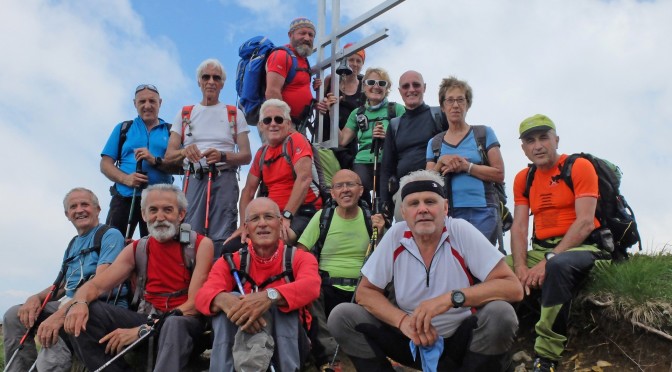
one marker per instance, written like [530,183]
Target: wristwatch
[158,161]
[549,255]
[222,156]
[143,330]
[457,298]
[287,214]
[273,295]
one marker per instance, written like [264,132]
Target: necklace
[264,261]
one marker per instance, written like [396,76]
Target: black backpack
[328,210]
[613,212]
[123,134]
[479,136]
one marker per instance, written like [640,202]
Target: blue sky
[599,69]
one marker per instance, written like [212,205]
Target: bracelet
[469,169]
[402,320]
[75,303]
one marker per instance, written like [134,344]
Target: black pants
[120,208]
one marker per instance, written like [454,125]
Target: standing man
[287,175]
[141,142]
[405,145]
[81,209]
[340,251]
[563,251]
[98,330]
[211,134]
[297,91]
[270,305]
[434,262]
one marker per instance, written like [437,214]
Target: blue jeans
[485,219]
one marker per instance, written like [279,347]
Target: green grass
[639,289]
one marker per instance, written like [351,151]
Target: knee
[11,316]
[500,319]
[340,320]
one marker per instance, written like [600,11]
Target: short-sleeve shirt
[551,201]
[344,246]
[278,175]
[365,138]
[209,127]
[462,256]
[297,93]
[468,191]
[156,140]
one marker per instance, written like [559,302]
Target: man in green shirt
[340,255]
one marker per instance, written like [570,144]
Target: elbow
[246,158]
[498,176]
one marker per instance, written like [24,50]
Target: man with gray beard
[99,331]
[279,83]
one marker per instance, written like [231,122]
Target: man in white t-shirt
[211,139]
[435,263]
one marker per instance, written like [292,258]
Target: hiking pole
[190,170]
[127,238]
[376,151]
[207,197]
[52,292]
[229,259]
[151,324]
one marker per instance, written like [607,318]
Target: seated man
[278,311]
[340,247]
[89,253]
[98,330]
[562,255]
[434,262]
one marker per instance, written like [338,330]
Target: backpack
[141,257]
[324,166]
[479,136]
[613,212]
[251,74]
[328,210]
[231,111]
[243,271]
[440,123]
[123,134]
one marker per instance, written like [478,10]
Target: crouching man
[100,330]
[266,324]
[434,262]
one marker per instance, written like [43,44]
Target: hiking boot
[544,365]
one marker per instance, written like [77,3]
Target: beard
[304,50]
[162,231]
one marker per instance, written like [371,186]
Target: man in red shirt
[286,175]
[563,251]
[270,306]
[297,92]
[99,330]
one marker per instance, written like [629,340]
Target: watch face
[458,298]
[287,215]
[272,293]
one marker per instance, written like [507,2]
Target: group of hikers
[294,275]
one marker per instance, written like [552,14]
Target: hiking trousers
[120,208]
[57,358]
[480,343]
[175,340]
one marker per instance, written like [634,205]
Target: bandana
[420,186]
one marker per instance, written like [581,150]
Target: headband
[420,186]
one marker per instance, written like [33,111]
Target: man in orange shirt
[563,252]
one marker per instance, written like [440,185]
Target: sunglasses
[146,86]
[371,82]
[278,120]
[415,85]
[207,77]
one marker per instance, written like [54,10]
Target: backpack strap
[391,110]
[95,245]
[566,170]
[436,143]
[479,136]
[364,206]
[437,115]
[325,222]
[186,118]
[232,113]
[140,271]
[189,252]
[123,134]
[288,274]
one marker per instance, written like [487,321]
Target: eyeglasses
[255,218]
[371,82]
[146,86]
[450,101]
[207,77]
[277,119]
[348,185]
[415,84]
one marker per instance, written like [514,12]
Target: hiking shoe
[544,365]
[336,367]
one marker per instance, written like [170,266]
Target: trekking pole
[52,292]
[376,151]
[229,259]
[211,171]
[138,169]
[151,324]
[190,170]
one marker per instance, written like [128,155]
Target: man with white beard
[99,331]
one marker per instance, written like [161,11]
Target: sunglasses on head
[371,82]
[278,120]
[146,86]
[206,77]
[415,85]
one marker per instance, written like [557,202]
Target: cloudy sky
[599,69]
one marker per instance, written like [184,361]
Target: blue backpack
[251,74]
